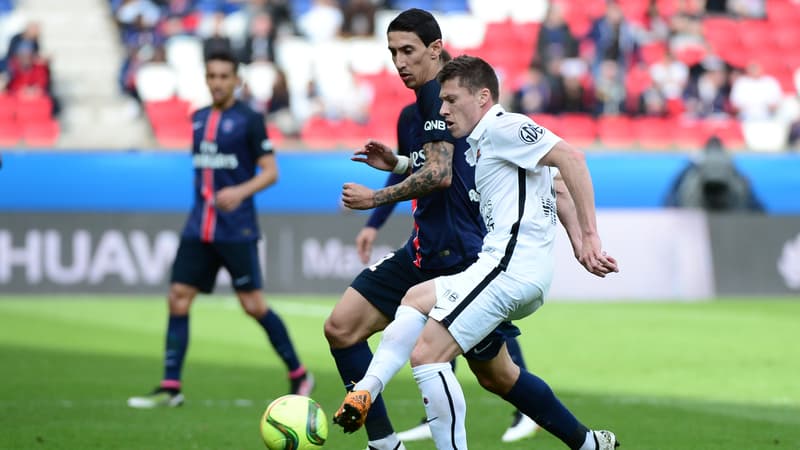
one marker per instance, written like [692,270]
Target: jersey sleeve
[522,141]
[258,140]
[429,104]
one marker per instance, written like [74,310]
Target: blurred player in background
[409,123]
[229,145]
[518,169]
[447,230]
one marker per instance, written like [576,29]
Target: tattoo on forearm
[437,168]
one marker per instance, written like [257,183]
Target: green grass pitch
[710,375]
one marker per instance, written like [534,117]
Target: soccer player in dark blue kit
[229,145]
[448,229]
[408,123]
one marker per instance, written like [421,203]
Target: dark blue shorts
[385,283]
[197,264]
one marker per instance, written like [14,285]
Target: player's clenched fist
[356,196]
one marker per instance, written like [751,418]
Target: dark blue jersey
[226,146]
[405,137]
[448,229]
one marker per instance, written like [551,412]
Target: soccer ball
[294,422]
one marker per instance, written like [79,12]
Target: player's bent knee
[340,334]
[179,299]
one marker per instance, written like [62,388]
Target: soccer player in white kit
[520,166]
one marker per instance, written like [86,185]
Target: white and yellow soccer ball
[294,422]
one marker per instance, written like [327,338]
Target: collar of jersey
[485,123]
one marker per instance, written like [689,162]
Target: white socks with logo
[444,404]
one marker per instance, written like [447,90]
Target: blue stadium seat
[405,4]
[6,6]
[451,5]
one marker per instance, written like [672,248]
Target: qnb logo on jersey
[474,196]
[435,125]
[214,161]
[530,133]
[417,158]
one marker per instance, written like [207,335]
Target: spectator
[30,35]
[609,90]
[533,94]
[747,9]
[652,103]
[669,76]
[216,42]
[279,108]
[713,183]
[613,38]
[555,40]
[260,42]
[755,95]
[707,95]
[29,75]
[131,11]
[569,91]
[322,22]
[358,18]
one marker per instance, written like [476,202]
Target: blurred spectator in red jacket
[28,73]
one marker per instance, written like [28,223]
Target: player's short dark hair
[473,73]
[417,21]
[223,55]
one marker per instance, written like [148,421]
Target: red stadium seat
[37,108]
[654,133]
[615,131]
[10,133]
[690,134]
[175,135]
[8,107]
[43,133]
[728,130]
[578,129]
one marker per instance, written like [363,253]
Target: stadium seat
[260,79]
[579,129]
[185,53]
[35,108]
[766,136]
[654,133]
[10,133]
[40,133]
[367,56]
[549,121]
[8,107]
[615,131]
[175,135]
[690,134]
[728,130]
[155,82]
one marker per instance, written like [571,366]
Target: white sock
[444,403]
[394,350]
[589,443]
[390,442]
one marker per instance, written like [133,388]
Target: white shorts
[474,302]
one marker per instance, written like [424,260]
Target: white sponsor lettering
[418,158]
[789,263]
[333,259]
[215,161]
[435,125]
[474,196]
[133,258]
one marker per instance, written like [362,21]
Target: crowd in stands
[27,104]
[613,73]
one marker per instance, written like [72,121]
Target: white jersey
[517,194]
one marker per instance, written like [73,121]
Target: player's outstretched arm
[436,173]
[377,155]
[571,164]
[231,197]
